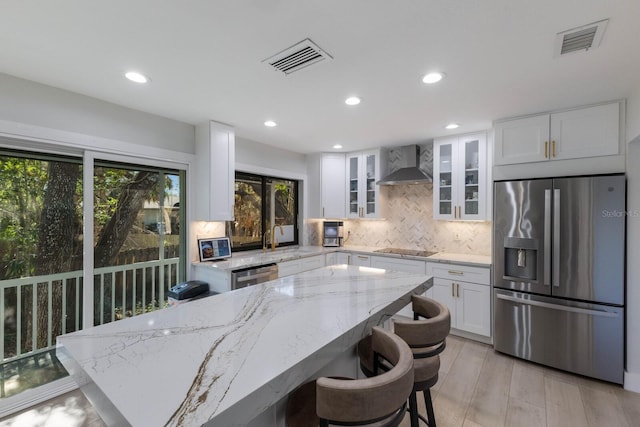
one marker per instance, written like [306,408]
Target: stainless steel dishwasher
[243,277]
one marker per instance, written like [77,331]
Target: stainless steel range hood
[409,172]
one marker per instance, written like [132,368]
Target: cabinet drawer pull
[458,289]
[553,148]
[546,149]
[456,272]
[453,294]
[363,257]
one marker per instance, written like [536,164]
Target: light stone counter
[254,258]
[475,260]
[225,359]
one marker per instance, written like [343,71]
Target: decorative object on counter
[380,400]
[215,248]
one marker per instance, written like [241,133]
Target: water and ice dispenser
[520,259]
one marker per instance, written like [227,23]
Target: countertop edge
[292,255]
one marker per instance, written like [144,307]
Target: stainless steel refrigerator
[559,273]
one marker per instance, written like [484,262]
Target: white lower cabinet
[335,258]
[287,268]
[399,264]
[466,291]
[469,304]
[361,260]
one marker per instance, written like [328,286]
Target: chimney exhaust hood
[410,172]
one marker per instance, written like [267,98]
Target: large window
[138,253]
[264,207]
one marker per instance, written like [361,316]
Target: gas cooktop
[412,252]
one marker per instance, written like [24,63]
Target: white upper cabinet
[363,197]
[580,133]
[460,177]
[326,185]
[215,172]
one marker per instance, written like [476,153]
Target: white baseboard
[632,381]
[29,398]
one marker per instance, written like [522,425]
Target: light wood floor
[477,387]
[480,387]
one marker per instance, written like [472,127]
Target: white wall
[267,157]
[632,375]
[27,102]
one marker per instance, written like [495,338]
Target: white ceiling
[205,61]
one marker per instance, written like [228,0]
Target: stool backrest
[370,399]
[427,332]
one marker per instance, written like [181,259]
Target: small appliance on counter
[332,233]
[188,291]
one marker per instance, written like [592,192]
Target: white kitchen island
[229,358]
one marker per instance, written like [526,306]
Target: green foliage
[22,188]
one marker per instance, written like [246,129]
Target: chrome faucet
[273,236]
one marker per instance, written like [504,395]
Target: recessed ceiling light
[352,100]
[270,123]
[134,76]
[337,146]
[452,126]
[434,77]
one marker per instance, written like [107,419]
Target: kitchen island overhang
[226,359]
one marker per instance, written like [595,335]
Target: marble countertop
[255,258]
[469,259]
[226,358]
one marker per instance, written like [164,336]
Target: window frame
[264,179]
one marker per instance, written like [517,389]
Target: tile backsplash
[409,224]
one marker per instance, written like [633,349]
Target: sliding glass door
[138,253]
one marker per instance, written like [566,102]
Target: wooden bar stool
[376,401]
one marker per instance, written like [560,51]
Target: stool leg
[429,405]
[413,409]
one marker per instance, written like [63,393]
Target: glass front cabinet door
[459,187]
[363,170]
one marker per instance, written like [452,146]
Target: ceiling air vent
[580,39]
[297,57]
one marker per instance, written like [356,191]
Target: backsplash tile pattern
[410,225]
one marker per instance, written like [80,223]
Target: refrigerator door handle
[556,238]
[547,238]
[558,307]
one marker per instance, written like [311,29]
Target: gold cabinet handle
[363,257]
[553,148]
[453,294]
[456,272]
[546,149]
[458,289]
[323,212]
